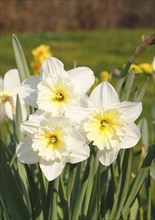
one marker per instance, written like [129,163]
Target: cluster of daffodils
[66,120]
[40,53]
[9,88]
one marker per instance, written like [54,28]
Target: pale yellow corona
[4,97]
[56,96]
[105,127]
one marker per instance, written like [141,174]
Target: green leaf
[33,191]
[139,180]
[54,199]
[141,94]
[18,120]
[149,198]
[119,85]
[144,131]
[128,87]
[24,184]
[10,192]
[123,185]
[89,189]
[141,213]
[114,176]
[134,210]
[20,59]
[77,185]
[81,194]
[153,119]
[125,70]
[135,95]
[63,198]
[94,206]
[105,181]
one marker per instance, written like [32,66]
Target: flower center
[53,139]
[104,123]
[59,96]
[4,98]
[40,53]
[106,128]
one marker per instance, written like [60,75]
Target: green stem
[149,198]
[141,213]
[71,179]
[90,186]
[125,70]
[113,172]
[81,195]
[48,202]
[54,199]
[123,185]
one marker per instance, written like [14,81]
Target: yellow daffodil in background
[142,68]
[136,68]
[146,67]
[105,76]
[35,66]
[40,53]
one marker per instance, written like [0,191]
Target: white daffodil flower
[110,124]
[51,141]
[9,88]
[57,90]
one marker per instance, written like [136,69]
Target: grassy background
[99,50]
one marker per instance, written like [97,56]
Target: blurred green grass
[99,50]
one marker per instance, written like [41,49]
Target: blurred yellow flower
[41,52]
[36,67]
[105,76]
[136,69]
[146,67]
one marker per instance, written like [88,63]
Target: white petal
[23,108]
[31,126]
[132,136]
[79,154]
[107,157]
[104,96]
[24,112]
[53,169]
[52,67]
[130,110]
[82,77]
[8,110]
[25,152]
[29,89]
[12,81]
[77,114]
[79,151]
